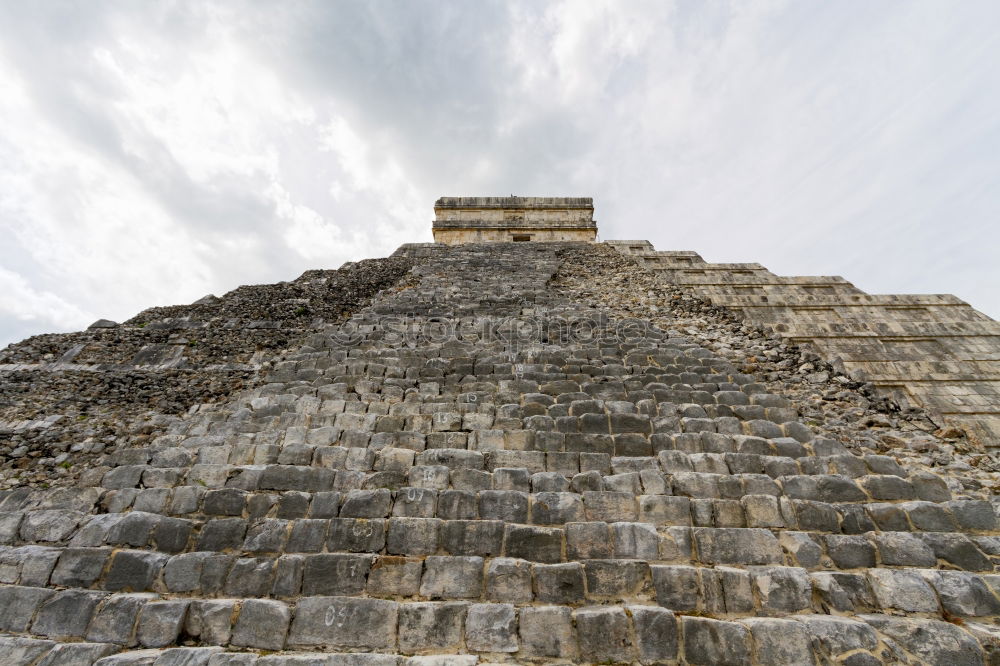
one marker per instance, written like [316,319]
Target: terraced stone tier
[483,468]
[933,350]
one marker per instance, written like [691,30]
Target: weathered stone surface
[604,634]
[547,631]
[344,622]
[262,624]
[373,492]
[491,628]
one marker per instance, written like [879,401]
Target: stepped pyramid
[541,451]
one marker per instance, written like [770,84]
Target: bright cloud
[151,154]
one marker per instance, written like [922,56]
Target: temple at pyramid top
[503,219]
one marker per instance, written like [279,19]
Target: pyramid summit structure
[515,445]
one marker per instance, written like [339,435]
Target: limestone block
[491,628]
[588,541]
[508,580]
[902,590]
[655,634]
[431,626]
[737,546]
[714,643]
[472,537]
[933,641]
[160,622]
[134,570]
[344,622]
[115,620]
[547,631]
[332,574]
[394,576]
[780,641]
[604,634]
[558,583]
[66,614]
[18,606]
[210,620]
[413,536]
[261,624]
[451,577]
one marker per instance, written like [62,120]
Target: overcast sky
[154,152]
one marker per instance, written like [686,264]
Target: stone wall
[934,351]
[502,219]
[511,234]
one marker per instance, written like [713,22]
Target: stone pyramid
[483,453]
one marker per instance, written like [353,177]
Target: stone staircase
[480,469]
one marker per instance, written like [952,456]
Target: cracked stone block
[160,623]
[962,594]
[780,641]
[508,580]
[637,541]
[782,590]
[655,634]
[210,620]
[902,590]
[18,606]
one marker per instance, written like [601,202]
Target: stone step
[717,582]
[886,500]
[391,631]
[570,542]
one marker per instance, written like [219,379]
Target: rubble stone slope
[66,399]
[517,453]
